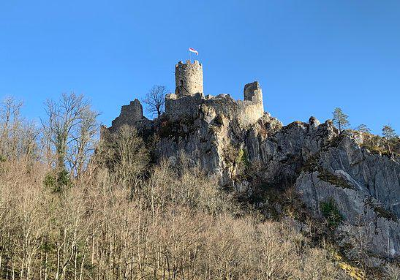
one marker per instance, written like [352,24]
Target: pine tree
[388,132]
[390,135]
[340,119]
[363,128]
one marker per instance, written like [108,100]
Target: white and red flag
[193,51]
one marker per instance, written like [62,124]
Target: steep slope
[355,191]
[324,166]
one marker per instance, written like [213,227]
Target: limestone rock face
[365,188]
[366,225]
[321,164]
[251,151]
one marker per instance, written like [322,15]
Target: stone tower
[253,92]
[188,78]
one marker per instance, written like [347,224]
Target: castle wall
[223,104]
[190,102]
[253,92]
[186,106]
[249,112]
[246,111]
[188,78]
[130,115]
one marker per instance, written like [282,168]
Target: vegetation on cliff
[116,215]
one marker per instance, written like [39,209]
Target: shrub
[331,213]
[178,226]
[242,158]
[57,181]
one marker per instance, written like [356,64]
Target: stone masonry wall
[186,106]
[246,111]
[130,115]
[188,78]
[253,92]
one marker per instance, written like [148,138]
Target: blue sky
[309,56]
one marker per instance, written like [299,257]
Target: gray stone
[216,133]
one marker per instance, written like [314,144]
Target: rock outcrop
[337,178]
[322,165]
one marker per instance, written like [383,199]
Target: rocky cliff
[324,167]
[337,179]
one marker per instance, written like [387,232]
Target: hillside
[213,188]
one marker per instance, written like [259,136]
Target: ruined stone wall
[246,111]
[130,115]
[249,112]
[188,78]
[253,92]
[189,101]
[223,104]
[179,107]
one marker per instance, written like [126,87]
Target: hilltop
[347,180]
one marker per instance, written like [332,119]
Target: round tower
[188,78]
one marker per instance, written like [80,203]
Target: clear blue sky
[309,56]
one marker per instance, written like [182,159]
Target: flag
[193,51]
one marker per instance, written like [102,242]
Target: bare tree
[9,124]
[124,154]
[70,128]
[18,137]
[155,100]
[84,138]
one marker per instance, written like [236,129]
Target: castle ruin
[189,101]
[189,98]
[223,137]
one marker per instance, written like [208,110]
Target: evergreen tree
[340,119]
[388,132]
[363,128]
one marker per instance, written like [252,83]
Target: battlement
[188,63]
